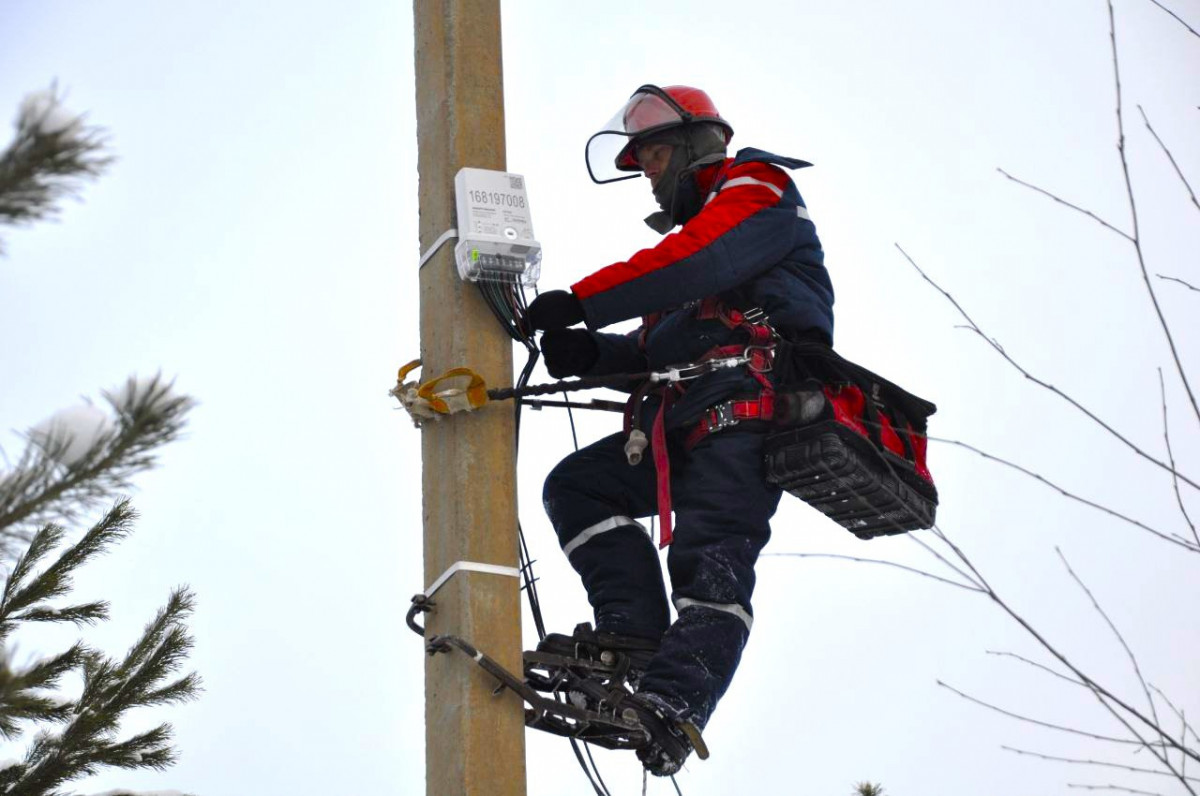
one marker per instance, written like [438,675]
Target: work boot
[671,735]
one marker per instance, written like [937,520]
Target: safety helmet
[651,110]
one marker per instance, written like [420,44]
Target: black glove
[569,352]
[554,309]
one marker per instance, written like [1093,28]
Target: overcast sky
[257,240]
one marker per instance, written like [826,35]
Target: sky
[257,241]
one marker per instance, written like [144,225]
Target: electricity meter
[495,230]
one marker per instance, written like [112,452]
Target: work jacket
[751,246]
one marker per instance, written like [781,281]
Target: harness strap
[730,413]
[662,468]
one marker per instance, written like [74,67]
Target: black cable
[596,768]
[579,756]
[508,305]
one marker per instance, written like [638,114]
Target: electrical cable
[506,300]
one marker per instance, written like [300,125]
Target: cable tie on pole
[472,566]
[437,244]
[423,602]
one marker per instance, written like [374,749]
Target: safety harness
[757,355]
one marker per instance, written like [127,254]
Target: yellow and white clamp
[423,401]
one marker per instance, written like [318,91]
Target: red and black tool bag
[849,443]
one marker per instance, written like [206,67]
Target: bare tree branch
[1188,285]
[1137,245]
[1177,17]
[1170,157]
[1119,788]
[1106,698]
[914,570]
[1102,763]
[1173,539]
[1044,668]
[1062,201]
[917,540]
[1137,670]
[1188,728]
[1000,350]
[1162,388]
[1037,722]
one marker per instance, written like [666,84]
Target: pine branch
[55,580]
[145,676]
[51,154]
[18,700]
[86,743]
[60,476]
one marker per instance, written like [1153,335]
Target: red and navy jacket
[752,245]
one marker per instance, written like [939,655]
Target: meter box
[495,230]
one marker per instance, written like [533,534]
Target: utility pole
[474,739]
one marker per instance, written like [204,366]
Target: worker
[743,270]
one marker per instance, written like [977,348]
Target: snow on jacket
[751,245]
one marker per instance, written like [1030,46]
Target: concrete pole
[474,740]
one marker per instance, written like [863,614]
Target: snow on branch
[82,456]
[52,152]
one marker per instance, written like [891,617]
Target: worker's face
[653,159]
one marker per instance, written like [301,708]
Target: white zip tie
[437,244]
[473,566]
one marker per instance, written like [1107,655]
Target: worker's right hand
[554,309]
[569,352]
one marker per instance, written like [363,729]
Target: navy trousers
[723,506]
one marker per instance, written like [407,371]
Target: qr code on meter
[516,182]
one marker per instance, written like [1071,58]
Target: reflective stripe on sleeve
[611,524]
[739,181]
[803,212]
[729,608]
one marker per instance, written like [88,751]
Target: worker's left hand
[569,352]
[554,309]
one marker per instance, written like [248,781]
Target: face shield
[610,152]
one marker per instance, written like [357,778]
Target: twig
[1106,698]
[1180,281]
[1113,627]
[1000,350]
[1170,157]
[929,549]
[914,570]
[1187,727]
[1037,722]
[1166,537]
[1162,388]
[1177,17]
[1044,668]
[1120,788]
[1062,201]
[1102,763]
[1134,215]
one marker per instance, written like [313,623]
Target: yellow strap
[476,392]
[407,369]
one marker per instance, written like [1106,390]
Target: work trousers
[723,506]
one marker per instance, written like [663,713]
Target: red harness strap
[730,413]
[662,468]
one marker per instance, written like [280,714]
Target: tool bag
[849,443]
